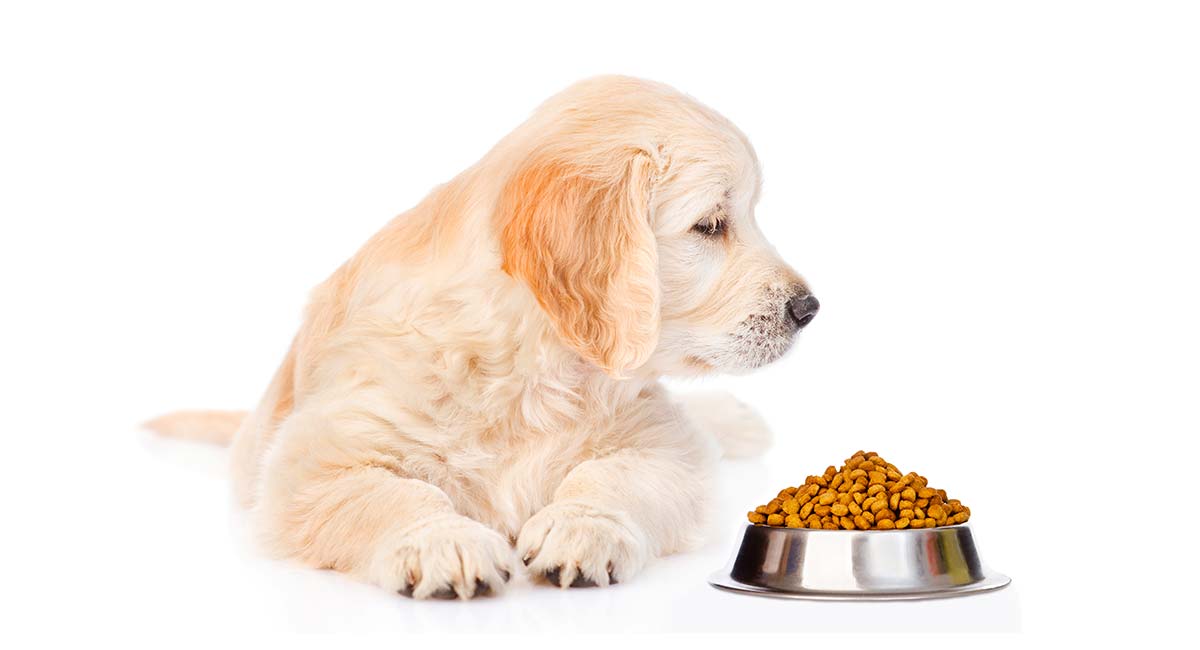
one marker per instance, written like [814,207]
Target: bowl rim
[857,530]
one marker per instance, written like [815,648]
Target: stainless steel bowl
[857,565]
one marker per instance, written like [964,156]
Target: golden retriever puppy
[485,372]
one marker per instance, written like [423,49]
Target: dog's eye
[710,227]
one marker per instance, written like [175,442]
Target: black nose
[803,308]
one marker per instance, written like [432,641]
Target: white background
[996,205]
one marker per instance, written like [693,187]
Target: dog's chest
[503,479]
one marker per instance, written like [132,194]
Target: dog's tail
[739,430]
[215,427]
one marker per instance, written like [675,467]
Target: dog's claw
[482,588]
[581,581]
[554,577]
[445,593]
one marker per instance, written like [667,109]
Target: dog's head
[629,212]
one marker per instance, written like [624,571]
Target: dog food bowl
[858,564]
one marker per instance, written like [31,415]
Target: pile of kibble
[867,493]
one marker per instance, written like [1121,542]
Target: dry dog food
[867,493]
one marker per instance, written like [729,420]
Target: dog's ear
[579,235]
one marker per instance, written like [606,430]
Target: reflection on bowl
[854,565]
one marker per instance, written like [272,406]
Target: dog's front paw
[446,557]
[574,545]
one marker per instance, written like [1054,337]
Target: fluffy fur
[483,373]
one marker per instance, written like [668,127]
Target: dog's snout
[803,307]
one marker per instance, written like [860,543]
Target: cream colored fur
[484,372]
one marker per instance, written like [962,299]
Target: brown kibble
[866,493]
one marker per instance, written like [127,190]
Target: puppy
[485,371]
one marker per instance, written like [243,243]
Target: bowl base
[990,582]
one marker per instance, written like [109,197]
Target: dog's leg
[332,497]
[644,497]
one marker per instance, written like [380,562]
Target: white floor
[178,560]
